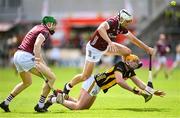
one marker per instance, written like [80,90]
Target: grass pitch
[116,103]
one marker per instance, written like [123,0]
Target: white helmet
[125,15]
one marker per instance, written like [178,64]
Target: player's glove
[147,97]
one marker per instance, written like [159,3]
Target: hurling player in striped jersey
[116,75]
[103,42]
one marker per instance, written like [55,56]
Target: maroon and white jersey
[99,43]
[30,38]
[161,49]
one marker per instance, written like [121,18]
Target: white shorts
[178,57]
[162,60]
[93,54]
[24,61]
[90,86]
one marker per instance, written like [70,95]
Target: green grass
[116,103]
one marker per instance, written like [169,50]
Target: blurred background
[78,19]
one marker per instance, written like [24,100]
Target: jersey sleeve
[132,74]
[111,23]
[119,67]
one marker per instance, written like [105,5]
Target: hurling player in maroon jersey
[102,43]
[116,75]
[162,49]
[28,60]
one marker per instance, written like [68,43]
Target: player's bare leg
[46,71]
[175,65]
[26,82]
[158,69]
[166,71]
[119,50]
[87,71]
[88,68]
[46,89]
[85,101]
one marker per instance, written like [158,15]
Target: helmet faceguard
[124,15]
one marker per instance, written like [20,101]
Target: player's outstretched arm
[139,43]
[143,86]
[138,82]
[121,82]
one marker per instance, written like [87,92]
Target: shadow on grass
[33,112]
[140,109]
[104,109]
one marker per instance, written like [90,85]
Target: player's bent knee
[128,52]
[52,77]
[27,84]
[85,77]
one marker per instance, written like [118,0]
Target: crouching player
[28,60]
[118,74]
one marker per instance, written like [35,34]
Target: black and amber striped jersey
[107,79]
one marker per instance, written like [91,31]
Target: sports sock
[53,100]
[8,99]
[41,101]
[68,86]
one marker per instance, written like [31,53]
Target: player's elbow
[119,81]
